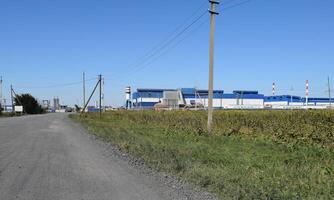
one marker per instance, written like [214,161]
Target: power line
[150,62]
[171,47]
[174,31]
[151,55]
[169,42]
[54,86]
[235,5]
[175,34]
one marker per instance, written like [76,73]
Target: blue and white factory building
[282,101]
[148,98]
[238,99]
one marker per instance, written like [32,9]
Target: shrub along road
[50,157]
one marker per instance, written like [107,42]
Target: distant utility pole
[11,96]
[13,93]
[1,92]
[4,103]
[84,88]
[213,13]
[99,82]
[329,92]
[102,95]
[100,106]
[291,94]
[307,92]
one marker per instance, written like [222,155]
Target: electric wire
[150,62]
[168,43]
[234,5]
[158,50]
[55,85]
[177,32]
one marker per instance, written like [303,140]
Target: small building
[147,98]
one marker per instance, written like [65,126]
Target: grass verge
[2,115]
[241,160]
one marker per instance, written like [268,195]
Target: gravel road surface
[49,157]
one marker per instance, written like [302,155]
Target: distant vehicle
[69,109]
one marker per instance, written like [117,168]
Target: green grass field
[251,155]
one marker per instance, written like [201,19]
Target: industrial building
[192,97]
[289,101]
[238,99]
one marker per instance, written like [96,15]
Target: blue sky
[46,42]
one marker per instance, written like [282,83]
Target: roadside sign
[18,108]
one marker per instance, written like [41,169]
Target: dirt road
[50,157]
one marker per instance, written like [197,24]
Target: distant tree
[29,103]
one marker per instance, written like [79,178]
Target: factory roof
[245,92]
[153,90]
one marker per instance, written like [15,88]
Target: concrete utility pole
[11,96]
[4,105]
[84,88]
[307,92]
[91,95]
[102,95]
[329,92]
[100,102]
[1,92]
[291,100]
[213,13]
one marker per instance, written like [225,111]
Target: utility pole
[100,102]
[4,102]
[195,98]
[11,96]
[213,13]
[102,95]
[84,88]
[307,92]
[291,100]
[329,93]
[91,95]
[1,92]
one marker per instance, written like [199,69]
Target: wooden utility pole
[213,13]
